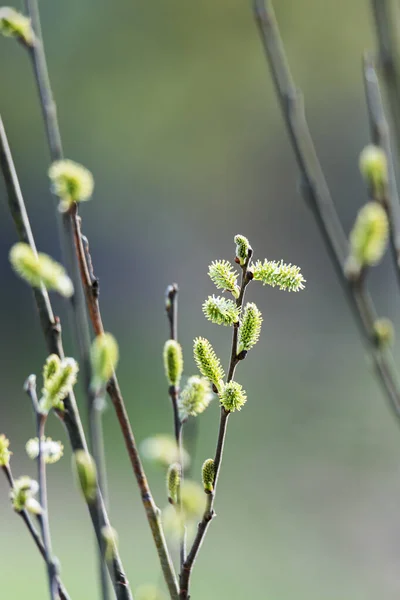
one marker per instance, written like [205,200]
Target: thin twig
[171,306]
[52,333]
[91,288]
[43,517]
[316,193]
[62,592]
[388,47]
[380,135]
[209,514]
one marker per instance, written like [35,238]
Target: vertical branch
[388,48]
[52,333]
[43,517]
[171,307]
[62,592]
[316,193]
[209,513]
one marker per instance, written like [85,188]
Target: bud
[163,450]
[51,450]
[173,482]
[104,355]
[369,236]
[195,397]
[233,397]
[384,333]
[87,475]
[250,327]
[59,379]
[71,182]
[4,451]
[285,276]
[173,362]
[224,277]
[14,24]
[208,474]
[22,495]
[221,311]
[38,269]
[110,537]
[207,362]
[374,169]
[242,248]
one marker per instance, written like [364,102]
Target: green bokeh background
[170,105]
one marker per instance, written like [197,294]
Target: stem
[171,305]
[380,136]
[62,592]
[316,192]
[52,333]
[209,514]
[387,38]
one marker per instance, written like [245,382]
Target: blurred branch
[209,514]
[380,135]
[388,47]
[52,332]
[62,592]
[316,193]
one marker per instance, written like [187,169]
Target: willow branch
[380,136]
[209,513]
[388,48]
[91,289]
[316,193]
[62,592]
[52,333]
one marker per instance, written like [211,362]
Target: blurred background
[171,106]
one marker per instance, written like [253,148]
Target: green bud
[52,451]
[374,169]
[384,333]
[195,397]
[4,451]
[207,362]
[224,277]
[193,499]
[220,311]
[104,355]
[173,482]
[14,24]
[369,236]
[163,450]
[38,269]
[173,362]
[110,537]
[22,495]
[233,397]
[208,474]
[250,327]
[285,276]
[242,249]
[71,182]
[87,475]
[59,377]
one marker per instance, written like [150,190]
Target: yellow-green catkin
[14,24]
[384,332]
[173,482]
[250,327]
[208,474]
[104,356]
[4,451]
[86,473]
[369,236]
[71,182]
[242,249]
[374,169]
[207,362]
[173,362]
[233,397]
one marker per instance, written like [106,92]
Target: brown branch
[316,193]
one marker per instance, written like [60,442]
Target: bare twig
[186,571]
[52,332]
[62,592]
[43,517]
[388,47]
[380,135]
[171,306]
[316,193]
